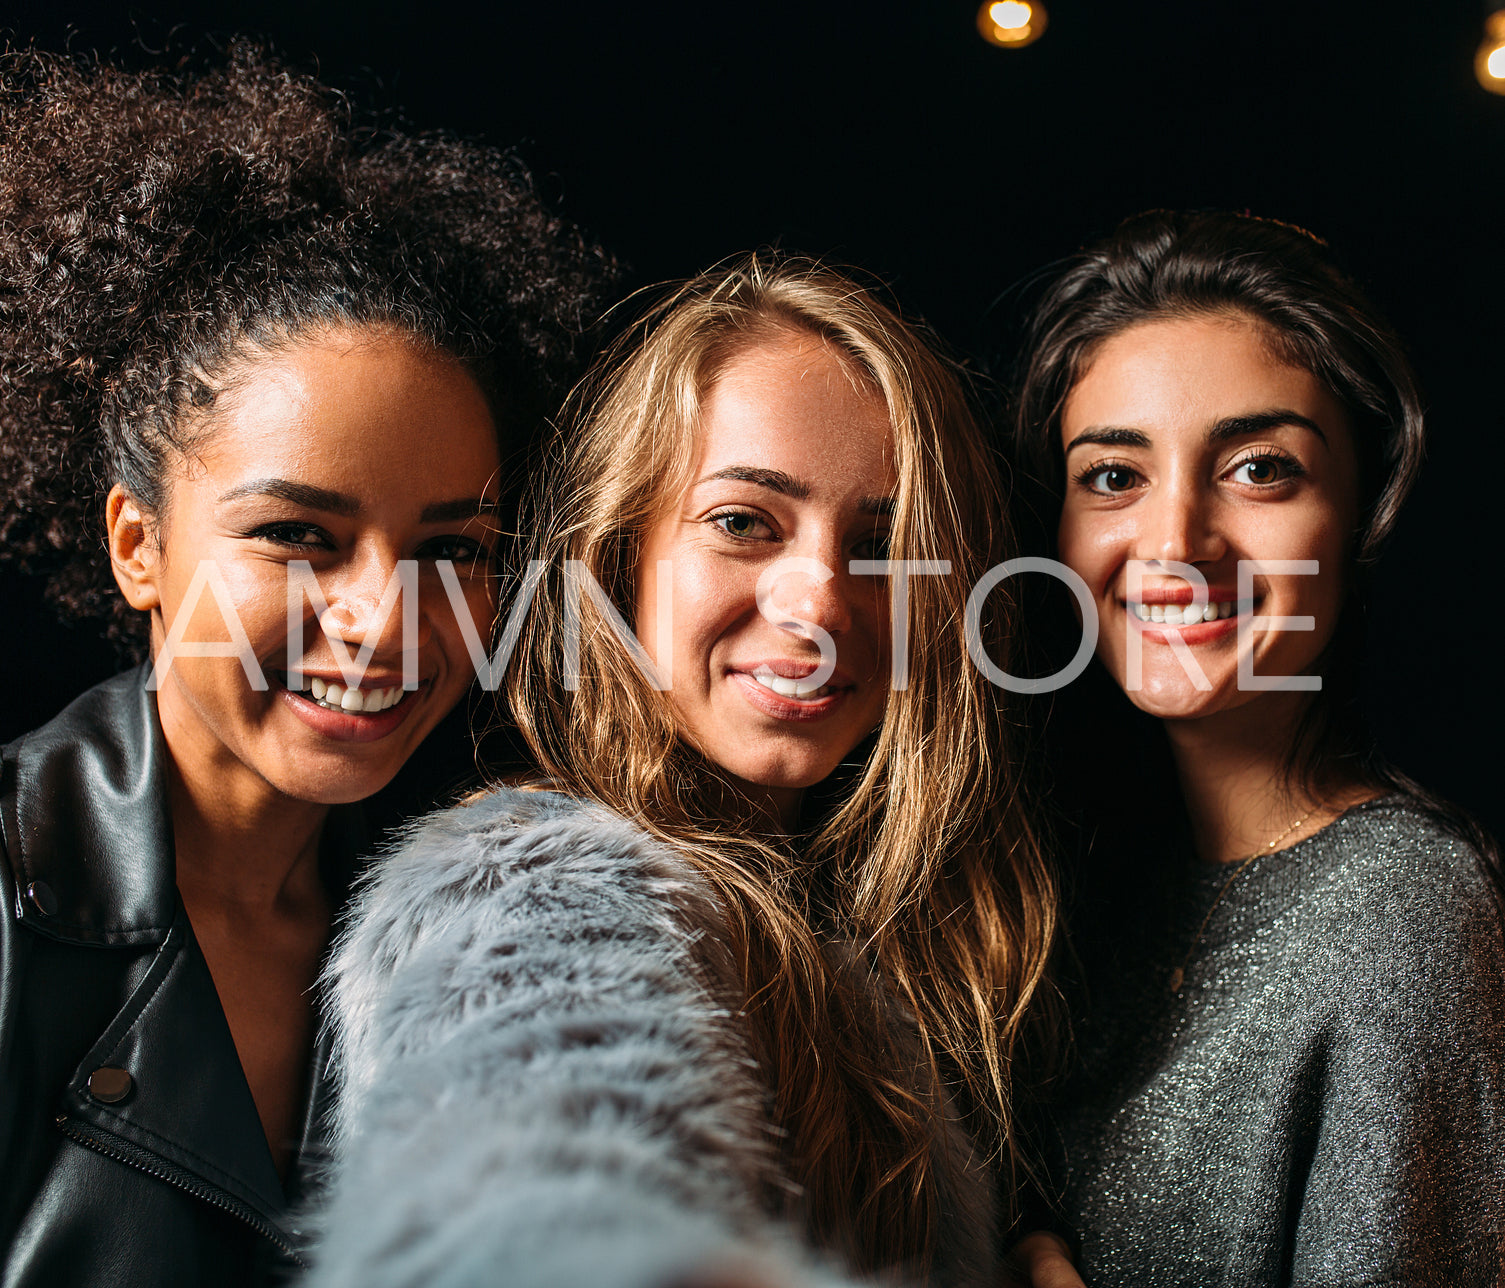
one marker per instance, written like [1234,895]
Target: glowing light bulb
[1011,24]
[1489,65]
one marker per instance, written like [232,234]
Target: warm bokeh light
[1010,24]
[1489,66]
[1011,15]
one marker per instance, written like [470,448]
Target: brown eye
[1261,471]
[1112,478]
[297,536]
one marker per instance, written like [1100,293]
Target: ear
[134,555]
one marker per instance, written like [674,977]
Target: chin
[786,775]
[337,785]
[1182,703]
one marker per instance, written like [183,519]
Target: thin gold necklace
[1178,976]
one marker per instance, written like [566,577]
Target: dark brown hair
[1167,264]
[1172,264]
[155,225]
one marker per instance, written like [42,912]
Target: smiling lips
[782,689]
[348,713]
[1173,607]
[1184,615]
[789,686]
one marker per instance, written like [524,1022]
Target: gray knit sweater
[1323,1103]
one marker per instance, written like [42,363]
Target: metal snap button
[42,898]
[110,1086]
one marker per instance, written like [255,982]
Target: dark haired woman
[1290,1067]
[281,368]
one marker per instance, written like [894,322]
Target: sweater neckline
[1265,867]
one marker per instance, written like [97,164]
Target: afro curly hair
[154,225]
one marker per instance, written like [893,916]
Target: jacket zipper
[122,1151]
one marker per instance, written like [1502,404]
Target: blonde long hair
[926,872]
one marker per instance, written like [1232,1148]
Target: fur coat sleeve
[543,1086]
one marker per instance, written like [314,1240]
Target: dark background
[891,136]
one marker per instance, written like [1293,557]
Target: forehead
[794,400]
[343,403]
[1183,374]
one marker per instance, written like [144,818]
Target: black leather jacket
[130,1147]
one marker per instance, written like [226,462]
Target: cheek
[1084,547]
[229,596]
[479,607]
[709,599]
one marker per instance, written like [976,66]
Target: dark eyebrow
[318,498]
[304,494]
[1109,436]
[1260,422]
[787,485]
[458,511]
[773,480]
[1256,422]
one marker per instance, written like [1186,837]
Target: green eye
[740,524]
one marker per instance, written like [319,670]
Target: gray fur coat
[545,1083]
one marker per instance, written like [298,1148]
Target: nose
[1176,524]
[807,592]
[371,607]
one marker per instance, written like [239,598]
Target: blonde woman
[755,952]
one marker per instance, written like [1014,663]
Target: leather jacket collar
[92,871]
[88,836]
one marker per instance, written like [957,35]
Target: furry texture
[545,1084]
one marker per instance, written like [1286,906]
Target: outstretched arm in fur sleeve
[543,1085]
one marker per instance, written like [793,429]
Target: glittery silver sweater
[1323,1102]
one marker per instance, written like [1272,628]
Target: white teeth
[1187,615]
[365,701]
[786,687]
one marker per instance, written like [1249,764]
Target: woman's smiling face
[795,462]
[1189,442]
[352,450]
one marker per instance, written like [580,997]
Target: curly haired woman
[265,353]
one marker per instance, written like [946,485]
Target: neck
[1232,769]
[776,809]
[241,846]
